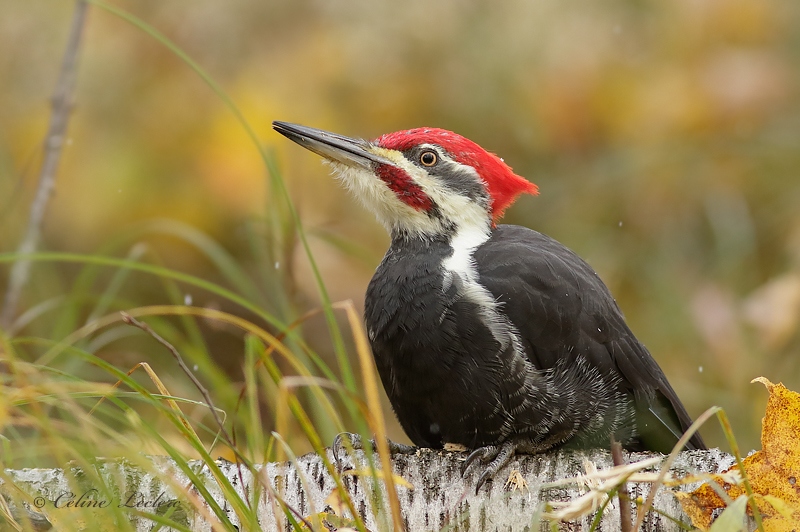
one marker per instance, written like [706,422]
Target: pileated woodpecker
[495,337]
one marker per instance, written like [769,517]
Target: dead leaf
[773,471]
[330,522]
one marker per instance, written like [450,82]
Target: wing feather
[563,311]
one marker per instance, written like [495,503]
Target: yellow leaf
[773,472]
[335,502]
[780,506]
[328,522]
[732,519]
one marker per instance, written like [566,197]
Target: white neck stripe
[464,243]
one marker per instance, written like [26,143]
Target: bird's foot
[494,457]
[355,442]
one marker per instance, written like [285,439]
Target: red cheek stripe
[404,187]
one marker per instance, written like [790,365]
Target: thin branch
[54,141]
[624,497]
[130,320]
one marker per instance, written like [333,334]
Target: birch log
[441,498]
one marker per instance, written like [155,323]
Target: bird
[489,336]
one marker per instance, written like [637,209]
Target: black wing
[563,310]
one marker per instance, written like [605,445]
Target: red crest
[503,185]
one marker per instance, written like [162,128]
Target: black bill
[345,150]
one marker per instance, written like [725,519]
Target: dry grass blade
[670,460]
[371,389]
[7,514]
[728,430]
[127,318]
[587,503]
[292,405]
[303,482]
[616,473]
[601,484]
[159,385]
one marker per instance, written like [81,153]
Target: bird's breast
[441,347]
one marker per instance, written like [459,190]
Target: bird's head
[419,182]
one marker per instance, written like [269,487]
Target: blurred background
[663,137]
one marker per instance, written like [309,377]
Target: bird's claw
[482,454]
[494,457]
[339,445]
[357,443]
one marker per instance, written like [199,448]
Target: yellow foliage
[773,471]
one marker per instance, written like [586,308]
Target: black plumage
[494,337]
[450,381]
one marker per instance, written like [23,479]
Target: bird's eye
[428,158]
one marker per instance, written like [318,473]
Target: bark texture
[441,498]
